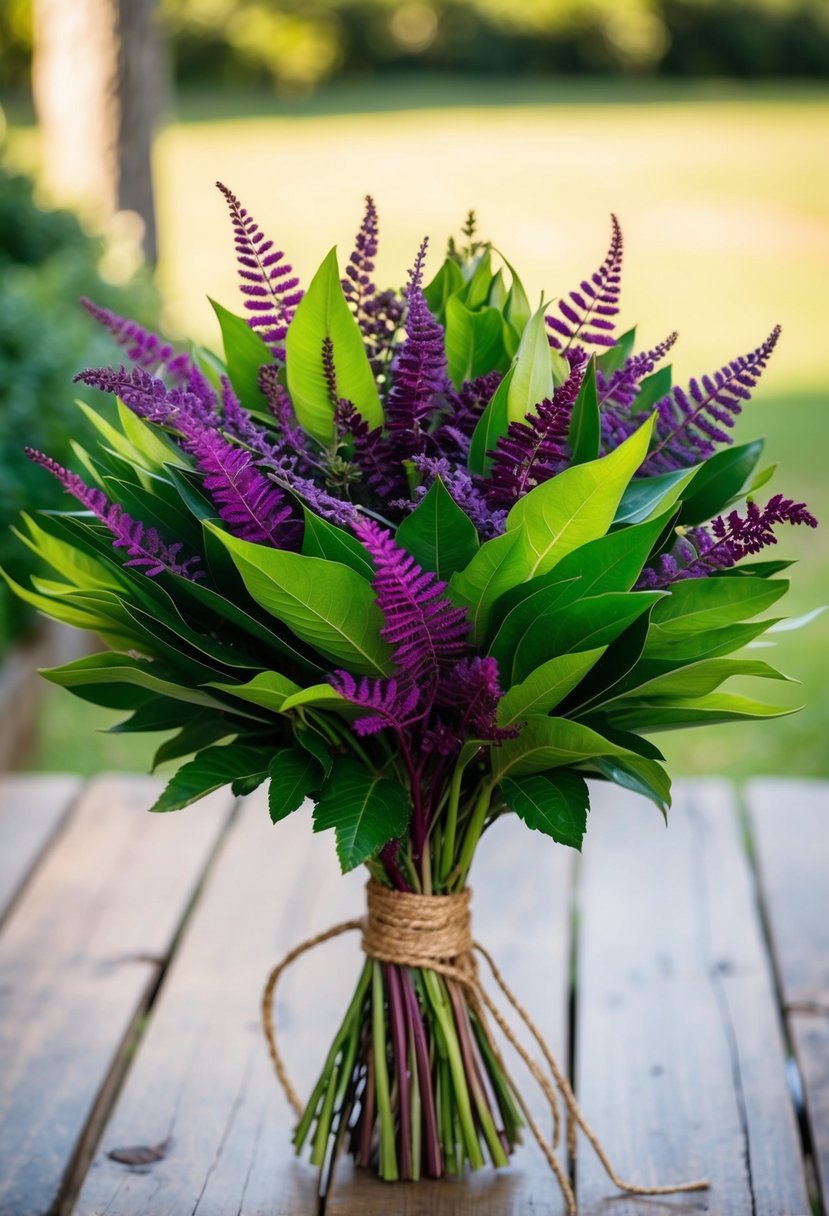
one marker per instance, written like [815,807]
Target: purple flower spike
[586,313]
[143,348]
[145,548]
[473,690]
[358,284]
[620,388]
[269,285]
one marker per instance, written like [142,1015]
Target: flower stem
[388,1157]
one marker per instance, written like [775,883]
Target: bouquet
[427,557]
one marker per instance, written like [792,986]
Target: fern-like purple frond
[464,407]
[150,398]
[690,424]
[488,521]
[391,701]
[358,283]
[472,691]
[144,348]
[251,505]
[269,285]
[419,372]
[424,628]
[586,313]
[145,548]
[620,387]
[534,450]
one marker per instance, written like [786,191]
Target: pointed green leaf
[719,479]
[549,743]
[323,313]
[546,686]
[447,282]
[245,354]
[438,534]
[324,603]
[698,605]
[585,433]
[293,776]
[678,712]
[699,679]
[556,805]
[610,360]
[321,538]
[653,388]
[492,424]
[499,564]
[364,809]
[269,689]
[210,770]
[532,378]
[474,341]
[646,777]
[649,496]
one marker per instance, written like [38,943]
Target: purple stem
[397,1017]
[367,1116]
[434,1157]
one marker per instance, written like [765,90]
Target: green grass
[721,190]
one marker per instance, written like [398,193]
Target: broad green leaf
[492,424]
[646,777]
[210,770]
[549,743]
[499,564]
[699,679]
[73,563]
[497,297]
[324,603]
[718,481]
[293,776]
[708,644]
[620,657]
[585,433]
[269,689]
[517,310]
[316,746]
[697,605]
[323,539]
[546,686]
[474,341]
[245,354]
[579,504]
[755,569]
[61,610]
[555,805]
[447,282]
[479,286]
[532,378]
[677,712]
[201,730]
[364,809]
[649,496]
[653,388]
[323,313]
[111,668]
[610,360]
[322,696]
[157,449]
[438,534]
[113,438]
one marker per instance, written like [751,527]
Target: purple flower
[143,348]
[585,313]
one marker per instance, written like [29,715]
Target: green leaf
[532,378]
[646,777]
[156,448]
[556,806]
[708,644]
[438,534]
[268,689]
[323,539]
[478,288]
[316,746]
[653,388]
[77,565]
[210,770]
[492,424]
[202,730]
[474,341]
[698,605]
[447,282]
[365,810]
[648,496]
[517,310]
[585,433]
[677,712]
[579,504]
[116,669]
[322,696]
[293,776]
[610,360]
[323,313]
[699,679]
[546,686]
[718,481]
[324,603]
[498,565]
[245,354]
[549,743]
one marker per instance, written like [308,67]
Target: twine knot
[417,930]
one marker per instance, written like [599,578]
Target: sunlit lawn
[723,194]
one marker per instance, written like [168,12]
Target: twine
[434,932]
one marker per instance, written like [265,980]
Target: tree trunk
[97,79]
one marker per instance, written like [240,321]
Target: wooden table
[133,948]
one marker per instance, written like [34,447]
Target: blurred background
[704,124]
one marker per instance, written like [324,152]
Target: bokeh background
[704,124]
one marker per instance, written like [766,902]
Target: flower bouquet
[426,557]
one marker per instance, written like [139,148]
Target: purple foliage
[392,703]
[142,347]
[489,521]
[371,452]
[586,313]
[534,450]
[419,372]
[150,398]
[620,387]
[269,285]
[145,548]
[725,541]
[473,690]
[690,424]
[358,284]
[464,408]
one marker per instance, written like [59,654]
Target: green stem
[388,1156]
[440,1004]
[473,833]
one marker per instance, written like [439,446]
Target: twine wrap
[434,932]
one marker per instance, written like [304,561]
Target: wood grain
[79,955]
[680,1060]
[202,1079]
[31,810]
[523,891]
[790,828]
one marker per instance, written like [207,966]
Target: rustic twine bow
[434,932]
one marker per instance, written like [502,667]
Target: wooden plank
[20,691]
[31,809]
[680,1061]
[202,1079]
[523,891]
[79,955]
[790,827]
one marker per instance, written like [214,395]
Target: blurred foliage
[47,261]
[297,44]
